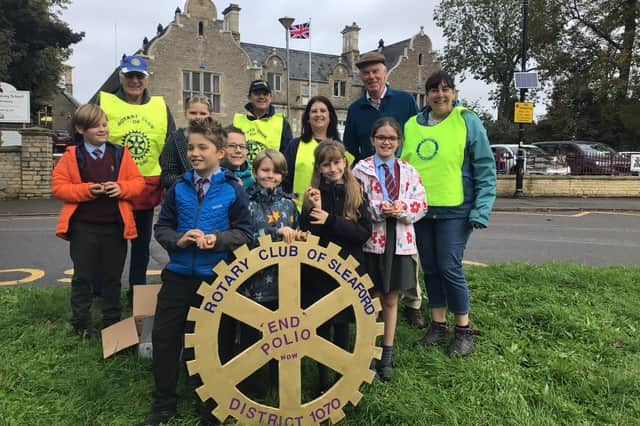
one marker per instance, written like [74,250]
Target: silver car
[536,160]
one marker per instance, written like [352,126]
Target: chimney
[350,51]
[232,20]
[176,16]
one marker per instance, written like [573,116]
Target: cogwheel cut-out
[288,334]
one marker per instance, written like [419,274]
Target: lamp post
[523,93]
[286,23]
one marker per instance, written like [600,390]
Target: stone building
[199,53]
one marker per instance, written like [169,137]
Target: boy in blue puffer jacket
[204,217]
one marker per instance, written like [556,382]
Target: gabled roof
[393,52]
[321,63]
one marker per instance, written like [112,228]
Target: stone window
[200,28]
[420,59]
[202,83]
[275,81]
[339,88]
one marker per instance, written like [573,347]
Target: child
[95,179]
[273,212]
[335,209]
[396,201]
[174,160]
[236,156]
[204,216]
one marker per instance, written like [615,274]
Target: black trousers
[177,295]
[96,248]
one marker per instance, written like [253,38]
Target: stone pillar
[36,163]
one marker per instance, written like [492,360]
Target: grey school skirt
[389,271]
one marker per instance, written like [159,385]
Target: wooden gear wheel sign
[288,334]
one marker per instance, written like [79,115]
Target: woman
[448,146]
[319,122]
[174,154]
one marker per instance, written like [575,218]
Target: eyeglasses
[436,90]
[235,147]
[383,138]
[138,75]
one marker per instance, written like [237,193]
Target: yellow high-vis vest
[260,133]
[437,153]
[304,169]
[141,128]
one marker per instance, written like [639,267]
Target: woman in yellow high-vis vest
[142,123]
[448,146]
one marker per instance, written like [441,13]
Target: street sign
[526,80]
[14,104]
[523,112]
[635,163]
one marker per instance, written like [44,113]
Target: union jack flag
[301,30]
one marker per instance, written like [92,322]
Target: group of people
[222,187]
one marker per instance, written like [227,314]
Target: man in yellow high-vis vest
[262,125]
[142,123]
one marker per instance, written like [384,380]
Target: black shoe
[462,342]
[156,419]
[414,317]
[436,333]
[385,372]
[85,332]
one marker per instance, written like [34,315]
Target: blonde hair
[210,129]
[87,116]
[198,99]
[330,149]
[278,159]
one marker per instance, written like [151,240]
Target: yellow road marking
[472,263]
[32,275]
[577,215]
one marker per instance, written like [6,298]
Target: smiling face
[236,151]
[319,118]
[333,168]
[260,100]
[203,155]
[440,99]
[385,141]
[266,175]
[197,111]
[96,135]
[133,85]
[374,77]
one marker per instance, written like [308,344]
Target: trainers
[414,317]
[436,333]
[462,342]
[157,419]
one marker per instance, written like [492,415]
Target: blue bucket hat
[133,64]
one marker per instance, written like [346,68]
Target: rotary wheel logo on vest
[427,149]
[288,334]
[137,143]
[253,149]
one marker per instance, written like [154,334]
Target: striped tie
[200,186]
[97,154]
[390,183]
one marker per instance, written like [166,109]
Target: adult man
[141,122]
[380,100]
[262,125]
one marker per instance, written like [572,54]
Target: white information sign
[14,104]
[635,163]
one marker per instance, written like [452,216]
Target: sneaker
[157,419]
[462,342]
[436,333]
[385,372]
[414,317]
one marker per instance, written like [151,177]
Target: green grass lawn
[557,344]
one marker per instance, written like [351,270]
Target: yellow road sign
[523,112]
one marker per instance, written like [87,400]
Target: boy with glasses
[236,156]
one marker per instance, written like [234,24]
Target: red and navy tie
[390,183]
[200,186]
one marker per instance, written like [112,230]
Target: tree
[34,43]
[483,39]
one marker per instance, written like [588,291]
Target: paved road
[613,238]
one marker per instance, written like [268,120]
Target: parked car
[587,158]
[536,161]
[61,139]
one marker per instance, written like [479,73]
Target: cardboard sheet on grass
[127,332]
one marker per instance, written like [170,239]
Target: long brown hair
[330,149]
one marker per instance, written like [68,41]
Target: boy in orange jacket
[95,179]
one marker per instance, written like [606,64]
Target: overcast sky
[118,26]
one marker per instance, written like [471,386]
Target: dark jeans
[96,248]
[177,295]
[140,248]
[441,244]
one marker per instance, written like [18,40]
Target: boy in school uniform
[203,218]
[95,179]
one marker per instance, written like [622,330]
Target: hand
[302,235]
[392,210]
[320,216]
[96,189]
[476,225]
[313,196]
[112,189]
[189,237]
[288,234]
[206,242]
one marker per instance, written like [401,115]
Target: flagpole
[309,58]
[286,23]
